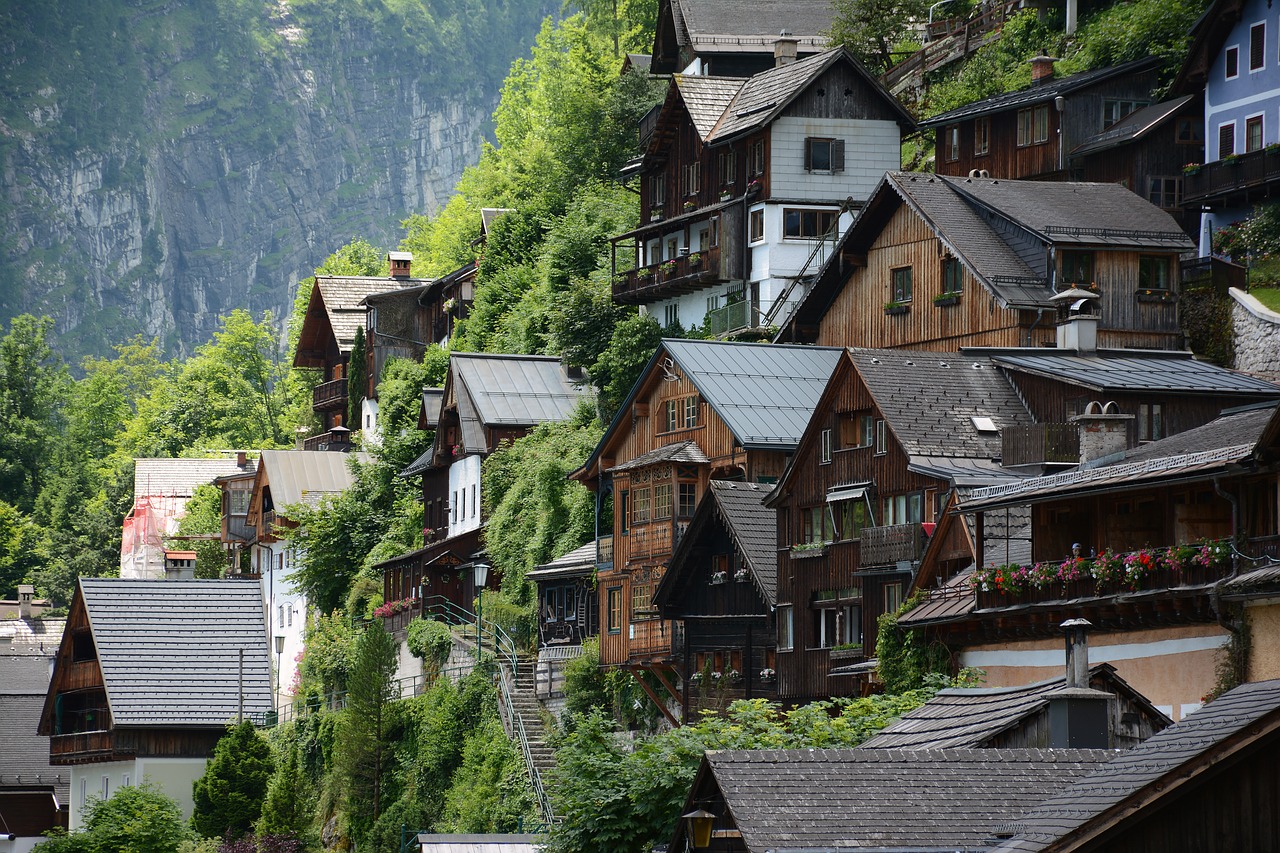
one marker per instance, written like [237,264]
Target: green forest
[564,127]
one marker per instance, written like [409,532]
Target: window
[837,618]
[288,616]
[106,787]
[84,792]
[1150,422]
[892,593]
[475,504]
[681,413]
[1233,62]
[551,605]
[786,628]
[882,442]
[124,781]
[686,499]
[671,316]
[1114,109]
[904,509]
[1165,192]
[816,525]
[824,451]
[982,136]
[1253,133]
[756,159]
[953,142]
[1153,272]
[856,430]
[851,516]
[672,420]
[756,232]
[642,601]
[1257,47]
[657,191]
[728,167]
[640,506]
[280,616]
[240,501]
[823,155]
[624,504]
[453,508]
[952,276]
[690,412]
[691,178]
[1077,267]
[807,224]
[662,501]
[901,284]
[614,594]
[1033,126]
[1188,132]
[1226,140]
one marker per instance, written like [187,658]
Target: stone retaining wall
[1256,332]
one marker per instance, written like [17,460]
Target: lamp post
[481,571]
[279,653]
[700,827]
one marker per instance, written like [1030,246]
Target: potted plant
[734,676]
[695,260]
[946,298]
[896,307]
[1191,169]
[718,578]
[696,678]
[768,676]
[808,549]
[725,195]
[741,575]
[690,205]
[668,268]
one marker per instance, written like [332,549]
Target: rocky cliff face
[196,195]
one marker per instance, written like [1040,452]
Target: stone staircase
[524,702]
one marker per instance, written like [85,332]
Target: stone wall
[1256,332]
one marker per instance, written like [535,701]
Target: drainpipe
[1031,331]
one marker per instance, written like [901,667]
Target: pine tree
[363,751]
[288,807]
[228,797]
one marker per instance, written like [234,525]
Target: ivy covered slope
[166,162]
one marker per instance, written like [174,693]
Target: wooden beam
[644,685]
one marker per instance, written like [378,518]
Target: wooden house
[744,184]
[722,585]
[1030,134]
[148,675]
[893,434]
[1206,783]
[1138,546]
[569,613]
[335,310]
[701,411]
[486,399]
[714,37]
[938,263]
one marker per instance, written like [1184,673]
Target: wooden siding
[858,318]
[840,92]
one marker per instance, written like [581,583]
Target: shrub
[431,641]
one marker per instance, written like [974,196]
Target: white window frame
[1225,52]
[824,449]
[882,438]
[1262,143]
[786,628]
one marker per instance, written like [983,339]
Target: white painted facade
[173,776]
[871,149]
[464,495]
[286,608]
[370,433]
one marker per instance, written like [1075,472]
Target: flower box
[741,576]
[1156,296]
[896,309]
[718,578]
[946,299]
[801,552]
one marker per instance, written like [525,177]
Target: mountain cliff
[165,161]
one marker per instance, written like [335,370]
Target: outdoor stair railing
[514,724]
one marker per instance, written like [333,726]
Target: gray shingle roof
[727,26]
[765,393]
[885,799]
[1142,773]
[680,451]
[24,754]
[300,476]
[1132,127]
[344,297]
[706,98]
[516,390]
[169,650]
[929,399]
[179,477]
[1229,430]
[1109,371]
[753,528]
[1046,91]
[579,561]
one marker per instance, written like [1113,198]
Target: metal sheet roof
[1119,370]
[517,390]
[1132,127]
[170,650]
[765,393]
[478,843]
[302,476]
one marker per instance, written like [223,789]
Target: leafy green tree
[33,390]
[363,754]
[431,641]
[328,658]
[871,28]
[228,797]
[490,791]
[203,516]
[23,545]
[136,819]
[634,342]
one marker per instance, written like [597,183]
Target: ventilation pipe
[1079,716]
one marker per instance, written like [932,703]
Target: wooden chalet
[722,585]
[893,434]
[937,263]
[745,182]
[569,613]
[486,399]
[147,677]
[1031,133]
[336,309]
[1139,546]
[714,37]
[701,411]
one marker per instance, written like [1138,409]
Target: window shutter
[808,154]
[1226,140]
[837,155]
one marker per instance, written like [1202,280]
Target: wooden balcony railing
[886,546]
[1040,444]
[1235,175]
[339,442]
[329,395]
[604,552]
[81,745]
[684,274]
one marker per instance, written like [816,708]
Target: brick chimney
[1104,434]
[1042,69]
[26,592]
[1079,716]
[242,459]
[785,49]
[400,264]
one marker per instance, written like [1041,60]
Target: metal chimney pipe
[1077,631]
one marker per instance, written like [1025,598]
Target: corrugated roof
[1045,91]
[887,799]
[170,650]
[765,393]
[1121,370]
[179,477]
[517,390]
[302,476]
[1132,127]
[1164,762]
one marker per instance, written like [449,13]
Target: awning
[848,493]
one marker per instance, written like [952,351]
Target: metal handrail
[514,724]
[503,646]
[406,687]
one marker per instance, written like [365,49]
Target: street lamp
[279,652]
[481,578]
[700,827]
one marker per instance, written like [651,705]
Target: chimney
[242,459]
[180,565]
[785,49]
[1042,69]
[1104,434]
[1080,333]
[25,593]
[1079,716]
[400,264]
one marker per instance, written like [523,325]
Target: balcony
[684,274]
[337,440]
[890,545]
[80,747]
[1040,444]
[743,314]
[329,395]
[1221,179]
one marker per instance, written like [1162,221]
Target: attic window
[984,424]
[82,647]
